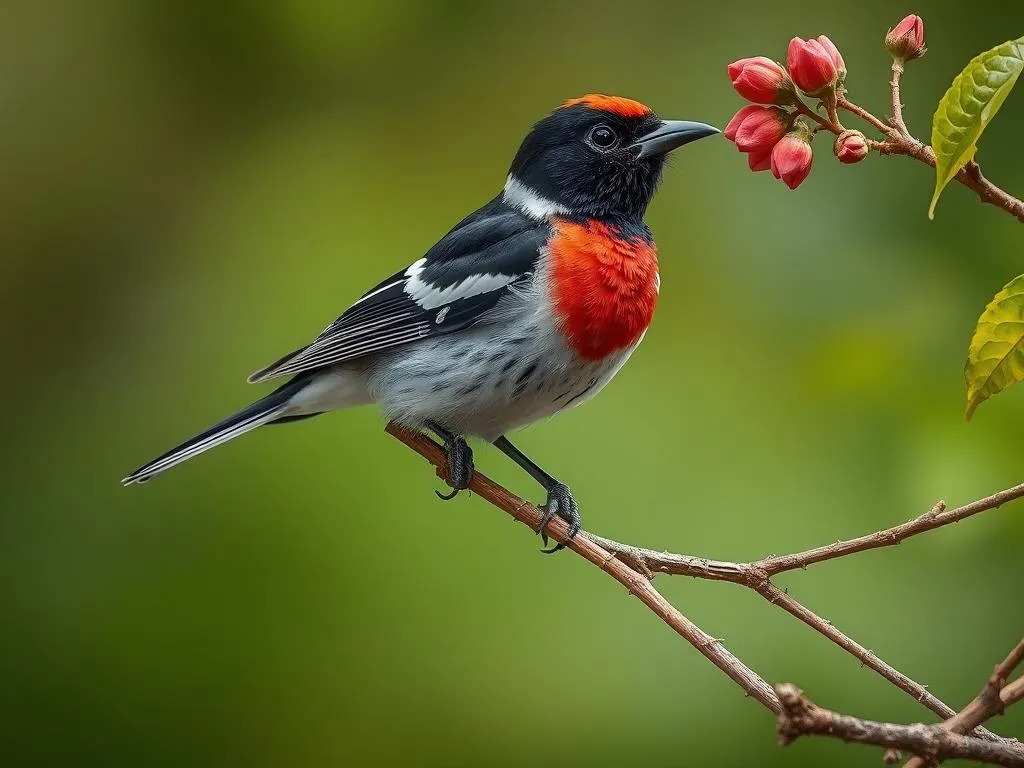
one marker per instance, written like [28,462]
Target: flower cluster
[773,131]
[768,131]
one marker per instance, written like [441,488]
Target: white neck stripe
[530,202]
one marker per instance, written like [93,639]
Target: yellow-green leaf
[995,359]
[971,102]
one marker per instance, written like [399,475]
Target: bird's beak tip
[672,134]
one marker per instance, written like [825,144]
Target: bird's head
[596,156]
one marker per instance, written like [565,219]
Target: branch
[803,109]
[867,117]
[899,141]
[637,584]
[993,699]
[800,716]
[757,575]
[750,574]
[897,101]
[1012,693]
[634,567]
[936,517]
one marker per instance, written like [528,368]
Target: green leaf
[969,105]
[995,358]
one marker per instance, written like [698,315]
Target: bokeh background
[190,189]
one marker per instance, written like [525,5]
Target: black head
[599,155]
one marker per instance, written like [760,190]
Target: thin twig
[749,573]
[993,699]
[823,124]
[899,141]
[644,564]
[833,117]
[936,517]
[756,576]
[867,658]
[800,716]
[971,177]
[1005,668]
[897,102]
[637,584]
[1012,693]
[867,117]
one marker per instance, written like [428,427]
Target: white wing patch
[430,296]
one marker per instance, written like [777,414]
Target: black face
[587,160]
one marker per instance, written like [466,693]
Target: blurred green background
[190,189]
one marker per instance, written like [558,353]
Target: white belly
[487,380]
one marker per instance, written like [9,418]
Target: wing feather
[455,285]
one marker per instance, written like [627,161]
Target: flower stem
[867,117]
[897,102]
[803,109]
[833,116]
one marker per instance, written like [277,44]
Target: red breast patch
[604,286]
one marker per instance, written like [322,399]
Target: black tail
[270,408]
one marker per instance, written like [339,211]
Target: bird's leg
[460,461]
[559,502]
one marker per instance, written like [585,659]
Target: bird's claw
[460,467]
[561,503]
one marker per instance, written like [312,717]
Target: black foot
[560,502]
[460,467]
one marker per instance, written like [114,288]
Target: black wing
[457,282]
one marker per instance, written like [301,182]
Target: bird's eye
[603,137]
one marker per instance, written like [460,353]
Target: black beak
[671,134]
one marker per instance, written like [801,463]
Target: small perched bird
[528,306]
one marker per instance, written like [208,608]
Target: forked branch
[900,141]
[800,716]
[995,697]
[635,567]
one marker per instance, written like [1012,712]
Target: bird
[528,306]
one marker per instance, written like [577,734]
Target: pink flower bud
[756,127]
[812,65]
[760,159]
[761,80]
[905,41]
[792,158]
[851,147]
[734,124]
[835,55]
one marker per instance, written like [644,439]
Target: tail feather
[267,371]
[264,411]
